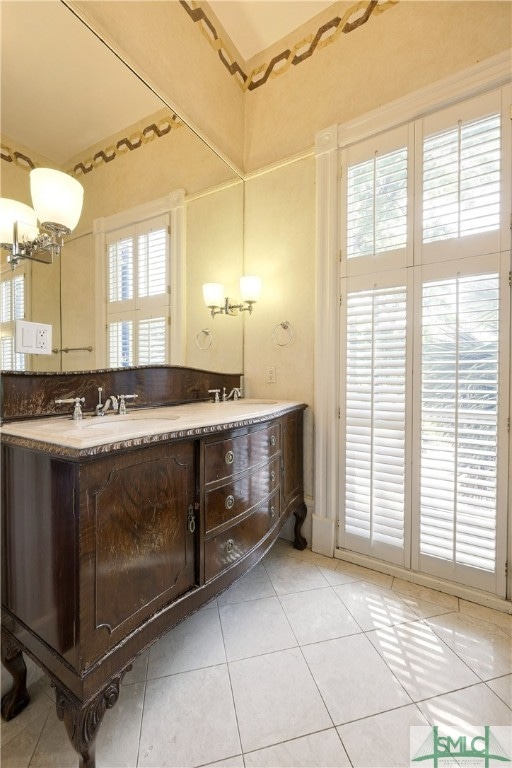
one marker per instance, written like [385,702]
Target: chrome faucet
[102,408]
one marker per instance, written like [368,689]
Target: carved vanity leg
[300,515]
[17,698]
[82,721]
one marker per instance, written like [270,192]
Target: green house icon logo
[484,747]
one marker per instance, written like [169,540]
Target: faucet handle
[122,403]
[215,392]
[77,410]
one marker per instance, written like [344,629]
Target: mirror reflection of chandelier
[57,199]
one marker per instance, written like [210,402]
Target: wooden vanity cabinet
[102,554]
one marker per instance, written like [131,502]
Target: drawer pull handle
[230,502]
[273,476]
[191,523]
[230,457]
[273,441]
[230,544]
[272,512]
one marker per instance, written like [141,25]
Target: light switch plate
[33,338]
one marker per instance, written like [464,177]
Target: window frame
[173,206]
[475,80]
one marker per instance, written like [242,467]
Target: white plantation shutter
[12,308]
[152,263]
[120,343]
[152,341]
[377,204]
[138,308]
[461,167]
[376,199]
[374,422]
[461,180]
[121,254]
[459,425]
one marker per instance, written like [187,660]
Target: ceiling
[254,25]
[62,90]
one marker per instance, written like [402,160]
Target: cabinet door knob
[229,545]
[272,512]
[273,441]
[230,457]
[230,502]
[273,476]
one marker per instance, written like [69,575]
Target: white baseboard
[432,582]
[322,535]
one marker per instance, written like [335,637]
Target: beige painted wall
[214,255]
[412,44]
[280,247]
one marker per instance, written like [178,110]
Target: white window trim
[174,205]
[489,74]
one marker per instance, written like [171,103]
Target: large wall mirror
[70,103]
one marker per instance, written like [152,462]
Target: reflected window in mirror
[138,294]
[141,253]
[13,301]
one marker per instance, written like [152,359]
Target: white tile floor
[306,661]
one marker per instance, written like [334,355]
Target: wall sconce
[250,290]
[57,199]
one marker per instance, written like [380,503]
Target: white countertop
[176,421]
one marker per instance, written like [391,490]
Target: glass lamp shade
[12,211]
[57,197]
[213,294]
[250,288]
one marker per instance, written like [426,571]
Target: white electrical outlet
[271,374]
[33,338]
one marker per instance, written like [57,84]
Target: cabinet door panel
[142,554]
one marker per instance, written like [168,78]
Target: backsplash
[29,395]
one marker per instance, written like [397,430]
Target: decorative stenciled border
[136,140]
[355,16]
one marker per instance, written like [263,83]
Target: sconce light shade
[12,211]
[213,294]
[250,288]
[57,198]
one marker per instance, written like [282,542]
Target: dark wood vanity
[106,548]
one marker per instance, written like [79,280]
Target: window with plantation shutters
[424,344]
[374,422]
[138,294]
[12,308]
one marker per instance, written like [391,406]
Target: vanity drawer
[234,498]
[223,550]
[224,458]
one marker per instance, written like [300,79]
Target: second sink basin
[129,424]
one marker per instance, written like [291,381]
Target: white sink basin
[252,401]
[120,424]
